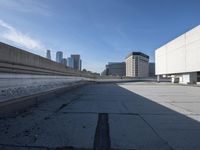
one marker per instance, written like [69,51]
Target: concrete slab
[192,106]
[95,107]
[60,130]
[170,96]
[141,116]
[181,132]
[131,132]
[20,148]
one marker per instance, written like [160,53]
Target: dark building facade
[59,56]
[77,63]
[151,69]
[115,69]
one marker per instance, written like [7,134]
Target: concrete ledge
[15,60]
[129,80]
[16,106]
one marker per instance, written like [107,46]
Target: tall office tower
[59,56]
[70,62]
[77,62]
[80,65]
[137,65]
[64,61]
[48,55]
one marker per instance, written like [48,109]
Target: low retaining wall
[15,60]
[18,85]
[19,104]
[26,78]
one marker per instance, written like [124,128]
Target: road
[124,116]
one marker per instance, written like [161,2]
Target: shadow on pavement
[126,120]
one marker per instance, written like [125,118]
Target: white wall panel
[160,60]
[180,55]
[176,60]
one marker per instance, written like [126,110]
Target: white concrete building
[137,65]
[180,58]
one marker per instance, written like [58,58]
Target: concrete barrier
[15,60]
[26,78]
[15,106]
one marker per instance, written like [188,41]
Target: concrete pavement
[124,116]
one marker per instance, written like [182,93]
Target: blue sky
[100,31]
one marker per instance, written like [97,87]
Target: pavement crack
[124,106]
[23,146]
[102,136]
[63,106]
[149,125]
[69,102]
[69,148]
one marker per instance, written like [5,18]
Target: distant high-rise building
[77,62]
[70,62]
[80,65]
[48,55]
[59,56]
[151,69]
[137,65]
[64,61]
[115,69]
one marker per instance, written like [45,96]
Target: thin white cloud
[10,34]
[27,6]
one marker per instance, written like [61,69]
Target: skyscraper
[48,54]
[64,61]
[77,62]
[70,62]
[59,56]
[80,64]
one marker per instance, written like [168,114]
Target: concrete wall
[15,60]
[180,55]
[18,85]
[130,63]
[185,78]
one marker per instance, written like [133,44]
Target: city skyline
[99,31]
[74,61]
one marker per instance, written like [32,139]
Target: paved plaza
[123,116]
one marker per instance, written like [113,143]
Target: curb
[16,106]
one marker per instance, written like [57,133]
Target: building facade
[74,62]
[48,54]
[70,62]
[59,56]
[180,58]
[64,61]
[116,69]
[137,65]
[151,69]
[77,62]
